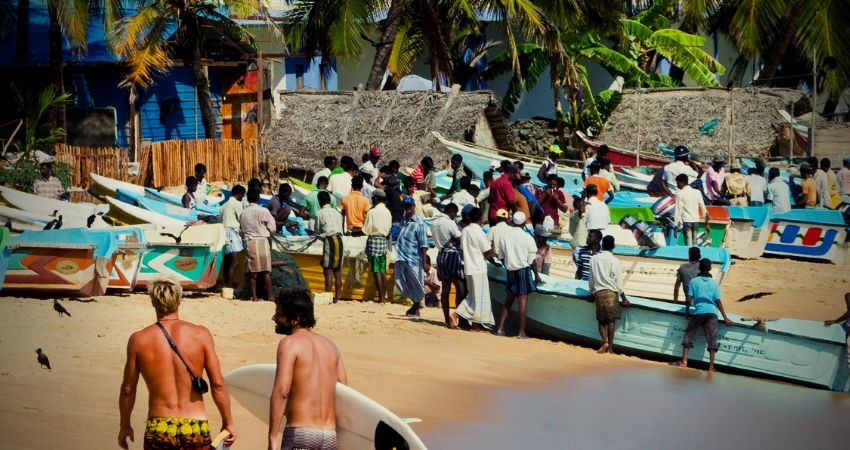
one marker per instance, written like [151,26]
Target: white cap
[519,218]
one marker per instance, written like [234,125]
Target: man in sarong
[476,307]
[257,225]
[410,251]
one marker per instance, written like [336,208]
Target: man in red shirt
[502,192]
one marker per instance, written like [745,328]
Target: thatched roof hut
[672,117]
[311,125]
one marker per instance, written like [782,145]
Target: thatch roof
[311,124]
[672,117]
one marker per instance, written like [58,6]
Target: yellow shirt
[355,205]
[810,190]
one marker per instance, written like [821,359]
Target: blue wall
[311,78]
[168,109]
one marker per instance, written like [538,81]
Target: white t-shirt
[780,195]
[673,170]
[322,173]
[474,243]
[368,167]
[689,203]
[516,249]
[443,229]
[758,186]
[340,184]
[462,198]
[596,214]
[497,233]
[587,163]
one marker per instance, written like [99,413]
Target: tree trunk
[23,31]
[559,110]
[776,52]
[382,53]
[55,61]
[202,86]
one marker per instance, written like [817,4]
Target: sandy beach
[415,368]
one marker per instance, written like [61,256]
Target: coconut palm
[161,30]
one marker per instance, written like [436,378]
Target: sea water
[658,408]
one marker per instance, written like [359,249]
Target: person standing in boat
[686,272]
[502,193]
[758,186]
[549,166]
[476,307]
[230,213]
[577,224]
[604,190]
[682,164]
[689,207]
[704,293]
[552,201]
[330,229]
[844,320]
[410,251]
[377,226]
[203,189]
[258,225]
[606,285]
[517,250]
[778,192]
[582,255]
[596,213]
[601,152]
[458,173]
[48,186]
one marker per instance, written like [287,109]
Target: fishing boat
[808,233]
[478,159]
[166,209]
[191,255]
[103,187]
[626,158]
[357,280]
[300,190]
[128,260]
[30,221]
[210,208]
[798,351]
[718,220]
[747,235]
[649,273]
[5,238]
[75,262]
[632,179]
[49,207]
[126,214]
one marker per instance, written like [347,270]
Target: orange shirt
[810,190]
[602,184]
[355,205]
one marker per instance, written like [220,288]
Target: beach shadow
[436,323]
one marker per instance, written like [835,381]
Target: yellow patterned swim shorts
[172,433]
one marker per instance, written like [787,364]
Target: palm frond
[755,22]
[133,31]
[824,26]
[407,48]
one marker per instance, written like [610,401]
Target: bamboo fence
[168,163]
[107,161]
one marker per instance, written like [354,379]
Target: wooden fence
[168,163]
[110,162]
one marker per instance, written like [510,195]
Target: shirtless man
[308,368]
[176,415]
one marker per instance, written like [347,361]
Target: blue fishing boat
[808,233]
[798,351]
[167,209]
[208,209]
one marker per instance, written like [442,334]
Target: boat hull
[822,241]
[127,214]
[655,329]
[747,235]
[70,271]
[626,158]
[195,262]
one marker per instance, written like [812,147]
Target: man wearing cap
[682,164]
[548,166]
[606,285]
[517,251]
[736,187]
[704,293]
[714,179]
[502,193]
[843,177]
[410,251]
[499,230]
[46,185]
[377,228]
[371,166]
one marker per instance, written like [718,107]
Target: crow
[42,359]
[177,238]
[54,224]
[90,220]
[59,308]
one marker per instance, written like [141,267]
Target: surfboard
[361,423]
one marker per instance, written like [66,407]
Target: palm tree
[147,41]
[329,28]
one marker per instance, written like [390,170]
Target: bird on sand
[59,308]
[42,359]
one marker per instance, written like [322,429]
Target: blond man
[172,356]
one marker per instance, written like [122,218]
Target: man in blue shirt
[410,257]
[704,293]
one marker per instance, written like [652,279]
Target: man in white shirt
[681,165]
[371,166]
[549,166]
[689,206]
[758,186]
[597,216]
[517,250]
[606,285]
[778,191]
[330,164]
[499,229]
[601,152]
[476,307]
[340,184]
[606,171]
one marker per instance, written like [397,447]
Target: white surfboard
[361,423]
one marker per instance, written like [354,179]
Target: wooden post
[637,149]
[260,106]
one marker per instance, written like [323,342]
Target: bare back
[167,380]
[313,363]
